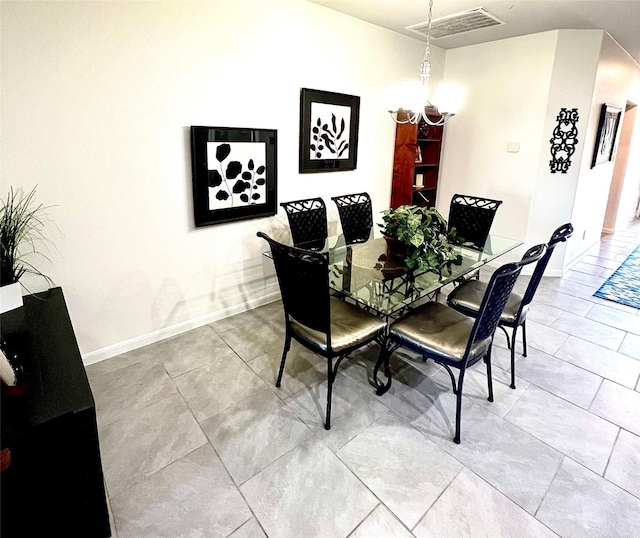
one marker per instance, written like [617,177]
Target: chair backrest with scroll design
[472,217]
[308,222]
[356,216]
[559,235]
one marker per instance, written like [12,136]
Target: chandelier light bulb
[392,98]
[449,97]
[412,97]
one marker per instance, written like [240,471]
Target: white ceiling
[621,18]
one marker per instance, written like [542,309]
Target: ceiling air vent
[458,23]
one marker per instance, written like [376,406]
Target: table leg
[385,353]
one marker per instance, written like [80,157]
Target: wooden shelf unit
[416,163]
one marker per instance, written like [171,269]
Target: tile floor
[197,441]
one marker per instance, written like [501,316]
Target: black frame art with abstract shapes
[606,134]
[234,174]
[328,131]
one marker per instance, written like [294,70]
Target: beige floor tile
[381,523]
[405,470]
[589,330]
[179,500]
[624,464]
[619,405]
[543,313]
[188,351]
[302,369]
[129,389]
[581,503]
[219,384]
[254,433]
[251,529]
[599,360]
[584,279]
[547,339]
[625,321]
[569,429]
[308,492]
[562,285]
[559,377]
[510,459]
[145,441]
[471,507]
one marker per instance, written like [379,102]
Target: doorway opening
[624,193]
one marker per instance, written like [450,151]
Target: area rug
[624,284]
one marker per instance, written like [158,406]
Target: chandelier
[410,99]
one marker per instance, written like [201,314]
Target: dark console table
[54,485]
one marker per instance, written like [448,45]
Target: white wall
[617,81]
[97,100]
[515,90]
[507,85]
[574,72]
[629,201]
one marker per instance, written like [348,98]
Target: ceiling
[621,18]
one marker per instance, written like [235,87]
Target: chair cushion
[437,331]
[467,298]
[350,327]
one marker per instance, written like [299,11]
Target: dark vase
[395,249]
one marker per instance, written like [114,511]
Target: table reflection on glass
[367,274]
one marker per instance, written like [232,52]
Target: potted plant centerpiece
[420,235]
[21,224]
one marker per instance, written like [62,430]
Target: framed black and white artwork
[606,135]
[328,131]
[234,174]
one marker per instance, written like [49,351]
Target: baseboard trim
[173,330]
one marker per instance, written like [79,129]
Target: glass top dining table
[364,272]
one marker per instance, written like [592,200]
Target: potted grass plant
[421,236]
[22,221]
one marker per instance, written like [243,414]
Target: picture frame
[328,131]
[607,134]
[234,174]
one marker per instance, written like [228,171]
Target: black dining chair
[453,340]
[356,216]
[467,297]
[307,222]
[472,217]
[313,317]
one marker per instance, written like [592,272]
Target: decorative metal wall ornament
[564,140]
[234,173]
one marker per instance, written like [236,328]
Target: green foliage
[21,224]
[423,233]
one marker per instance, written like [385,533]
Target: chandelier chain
[427,52]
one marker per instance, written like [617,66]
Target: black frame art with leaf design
[328,131]
[606,134]
[234,173]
